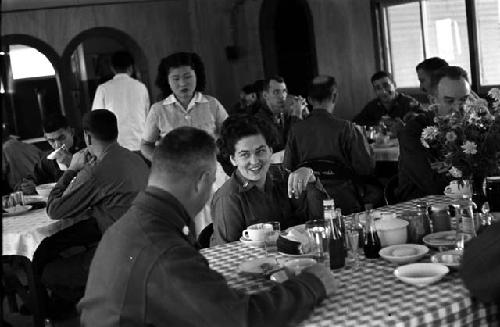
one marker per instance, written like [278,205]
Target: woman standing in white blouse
[181,77]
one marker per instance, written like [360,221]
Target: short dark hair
[267,81]
[180,59]
[121,60]
[239,126]
[248,89]
[431,64]
[322,88]
[381,74]
[54,123]
[452,72]
[102,124]
[182,152]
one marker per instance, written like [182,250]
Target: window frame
[382,40]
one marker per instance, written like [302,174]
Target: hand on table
[27,186]
[298,180]
[325,276]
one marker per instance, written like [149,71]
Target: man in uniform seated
[62,138]
[322,136]
[99,185]
[389,102]
[147,270]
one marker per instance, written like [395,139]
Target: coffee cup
[455,187]
[257,232]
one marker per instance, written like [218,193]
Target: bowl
[295,266]
[451,259]
[421,274]
[45,189]
[392,231]
[403,253]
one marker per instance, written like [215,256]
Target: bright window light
[27,62]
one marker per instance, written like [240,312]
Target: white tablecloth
[386,153]
[22,234]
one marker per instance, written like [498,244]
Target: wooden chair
[206,235]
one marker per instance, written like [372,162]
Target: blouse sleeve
[152,130]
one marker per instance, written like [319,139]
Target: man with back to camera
[99,185]
[127,98]
[389,102]
[418,175]
[64,142]
[323,136]
[425,70]
[147,269]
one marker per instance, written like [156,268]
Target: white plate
[255,266]
[306,255]
[396,253]
[421,274]
[19,210]
[248,242]
[446,238]
[450,258]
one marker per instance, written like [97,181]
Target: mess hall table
[21,236]
[372,296]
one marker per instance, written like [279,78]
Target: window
[28,62]
[488,34]
[418,29]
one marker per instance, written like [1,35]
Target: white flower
[430,133]
[494,93]
[469,147]
[455,172]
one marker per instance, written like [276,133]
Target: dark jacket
[148,272]
[323,136]
[104,190]
[403,105]
[239,204]
[281,123]
[416,177]
[480,269]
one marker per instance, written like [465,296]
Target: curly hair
[240,126]
[179,59]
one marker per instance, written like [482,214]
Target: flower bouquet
[466,144]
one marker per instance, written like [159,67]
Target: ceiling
[12,5]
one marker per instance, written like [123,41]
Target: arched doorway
[288,44]
[86,63]
[31,88]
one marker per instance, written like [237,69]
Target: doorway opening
[288,44]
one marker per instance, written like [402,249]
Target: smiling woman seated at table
[255,193]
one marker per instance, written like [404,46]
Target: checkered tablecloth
[372,296]
[22,234]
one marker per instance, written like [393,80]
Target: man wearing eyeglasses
[61,137]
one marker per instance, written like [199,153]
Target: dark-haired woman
[254,193]
[181,77]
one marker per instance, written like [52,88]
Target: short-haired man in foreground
[147,269]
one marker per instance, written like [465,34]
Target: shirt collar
[245,185]
[197,98]
[161,202]
[120,75]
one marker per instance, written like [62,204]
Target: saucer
[17,210]
[421,274]
[446,238]
[249,242]
[451,258]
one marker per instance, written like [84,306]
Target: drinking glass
[318,231]
[272,236]
[353,240]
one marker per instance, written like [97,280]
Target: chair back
[390,190]
[205,236]
[328,169]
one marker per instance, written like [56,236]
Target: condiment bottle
[422,211]
[371,246]
[440,217]
[336,242]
